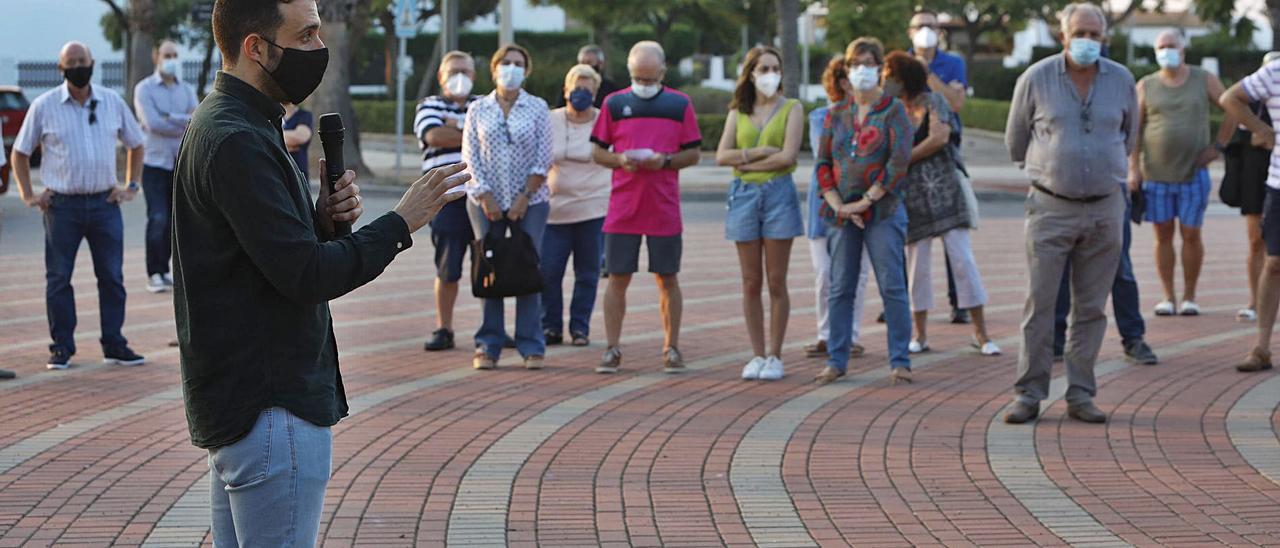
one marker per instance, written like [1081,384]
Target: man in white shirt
[77,126]
[164,103]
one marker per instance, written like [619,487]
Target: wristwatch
[1219,147]
[666,161]
[133,186]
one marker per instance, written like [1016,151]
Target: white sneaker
[155,284]
[1189,308]
[917,347]
[752,370]
[1165,308]
[1246,315]
[772,369]
[168,279]
[990,349]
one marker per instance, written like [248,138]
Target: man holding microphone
[255,265]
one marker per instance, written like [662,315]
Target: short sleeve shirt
[950,68]
[79,156]
[1263,86]
[646,202]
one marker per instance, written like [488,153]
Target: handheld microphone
[332,135]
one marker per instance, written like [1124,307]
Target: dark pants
[1124,297]
[70,219]
[157,187]
[583,240]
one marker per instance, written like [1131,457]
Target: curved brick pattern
[435,452]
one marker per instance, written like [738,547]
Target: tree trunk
[390,47]
[789,33]
[1273,9]
[428,83]
[138,64]
[602,38]
[341,23]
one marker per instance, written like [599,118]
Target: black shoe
[959,316]
[5,374]
[553,338]
[121,356]
[509,342]
[441,339]
[1086,412]
[880,318]
[1138,352]
[1022,413]
[59,361]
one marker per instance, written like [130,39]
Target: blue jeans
[70,219]
[583,240]
[1124,297]
[885,240]
[157,188]
[268,488]
[492,333]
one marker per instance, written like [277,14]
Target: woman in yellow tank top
[761,140]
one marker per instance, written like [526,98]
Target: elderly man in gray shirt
[1071,127]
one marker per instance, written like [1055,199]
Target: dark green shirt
[253,274]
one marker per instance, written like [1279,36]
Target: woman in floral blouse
[863,157]
[506,140]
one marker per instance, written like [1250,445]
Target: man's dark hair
[233,20]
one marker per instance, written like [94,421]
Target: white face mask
[864,78]
[510,76]
[645,91]
[925,38]
[458,85]
[1169,58]
[171,67]
[767,84]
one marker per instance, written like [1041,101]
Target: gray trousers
[1090,235]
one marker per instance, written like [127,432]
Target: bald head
[74,54]
[647,61]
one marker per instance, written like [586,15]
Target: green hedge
[988,114]
[378,115]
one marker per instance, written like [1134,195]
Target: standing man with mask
[438,125]
[1170,164]
[165,103]
[949,78]
[77,125]
[646,136]
[255,264]
[1072,124]
[593,56]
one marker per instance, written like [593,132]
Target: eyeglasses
[1086,118]
[93,114]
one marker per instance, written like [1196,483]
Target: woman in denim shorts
[761,140]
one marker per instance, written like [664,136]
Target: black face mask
[299,72]
[78,76]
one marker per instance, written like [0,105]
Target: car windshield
[12,101]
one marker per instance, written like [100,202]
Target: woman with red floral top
[863,157]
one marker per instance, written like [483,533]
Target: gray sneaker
[611,362]
[672,361]
[1138,352]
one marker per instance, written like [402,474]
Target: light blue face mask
[1170,58]
[1085,51]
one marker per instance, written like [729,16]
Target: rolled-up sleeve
[1018,128]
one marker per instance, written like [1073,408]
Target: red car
[13,110]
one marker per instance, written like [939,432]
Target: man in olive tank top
[1170,163]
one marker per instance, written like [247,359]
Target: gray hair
[591,49]
[646,47]
[1176,34]
[1071,9]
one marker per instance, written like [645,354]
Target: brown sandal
[1258,360]
[828,376]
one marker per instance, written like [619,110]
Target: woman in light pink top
[579,200]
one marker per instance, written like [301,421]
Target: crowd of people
[592,179]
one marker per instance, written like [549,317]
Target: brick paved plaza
[435,452]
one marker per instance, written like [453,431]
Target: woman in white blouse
[506,141]
[579,199]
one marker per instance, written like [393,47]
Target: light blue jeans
[492,333]
[885,239]
[268,488]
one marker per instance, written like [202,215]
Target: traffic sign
[406,18]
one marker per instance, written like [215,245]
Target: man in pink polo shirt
[645,134]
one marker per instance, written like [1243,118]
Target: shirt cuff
[398,228]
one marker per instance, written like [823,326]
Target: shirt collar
[241,90]
[65,93]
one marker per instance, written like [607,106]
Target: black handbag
[504,263]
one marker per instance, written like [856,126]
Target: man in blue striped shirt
[438,125]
